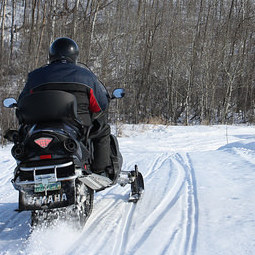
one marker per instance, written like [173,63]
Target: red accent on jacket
[93,104]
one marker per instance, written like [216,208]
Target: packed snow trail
[125,226]
[199,199]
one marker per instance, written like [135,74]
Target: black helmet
[64,48]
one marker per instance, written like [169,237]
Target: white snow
[199,199]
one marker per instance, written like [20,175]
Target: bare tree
[180,61]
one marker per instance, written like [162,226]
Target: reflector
[45,157]
[43,142]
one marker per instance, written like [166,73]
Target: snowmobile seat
[47,106]
[80,91]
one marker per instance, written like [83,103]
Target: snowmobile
[54,152]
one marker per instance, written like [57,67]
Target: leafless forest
[180,61]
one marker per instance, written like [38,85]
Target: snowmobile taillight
[43,142]
[45,156]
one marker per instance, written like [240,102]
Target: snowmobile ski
[134,178]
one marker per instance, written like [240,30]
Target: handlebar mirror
[118,93]
[10,103]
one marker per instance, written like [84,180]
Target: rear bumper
[30,200]
[46,187]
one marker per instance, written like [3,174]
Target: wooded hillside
[179,61]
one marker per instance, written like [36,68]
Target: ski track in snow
[180,179]
[185,236]
[192,207]
[165,222]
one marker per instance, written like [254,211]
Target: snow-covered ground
[199,199]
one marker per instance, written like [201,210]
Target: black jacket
[69,73]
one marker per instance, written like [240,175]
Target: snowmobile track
[178,172]
[125,231]
[192,212]
[162,209]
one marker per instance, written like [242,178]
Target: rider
[63,68]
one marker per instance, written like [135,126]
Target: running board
[96,181]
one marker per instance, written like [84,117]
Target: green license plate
[50,186]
